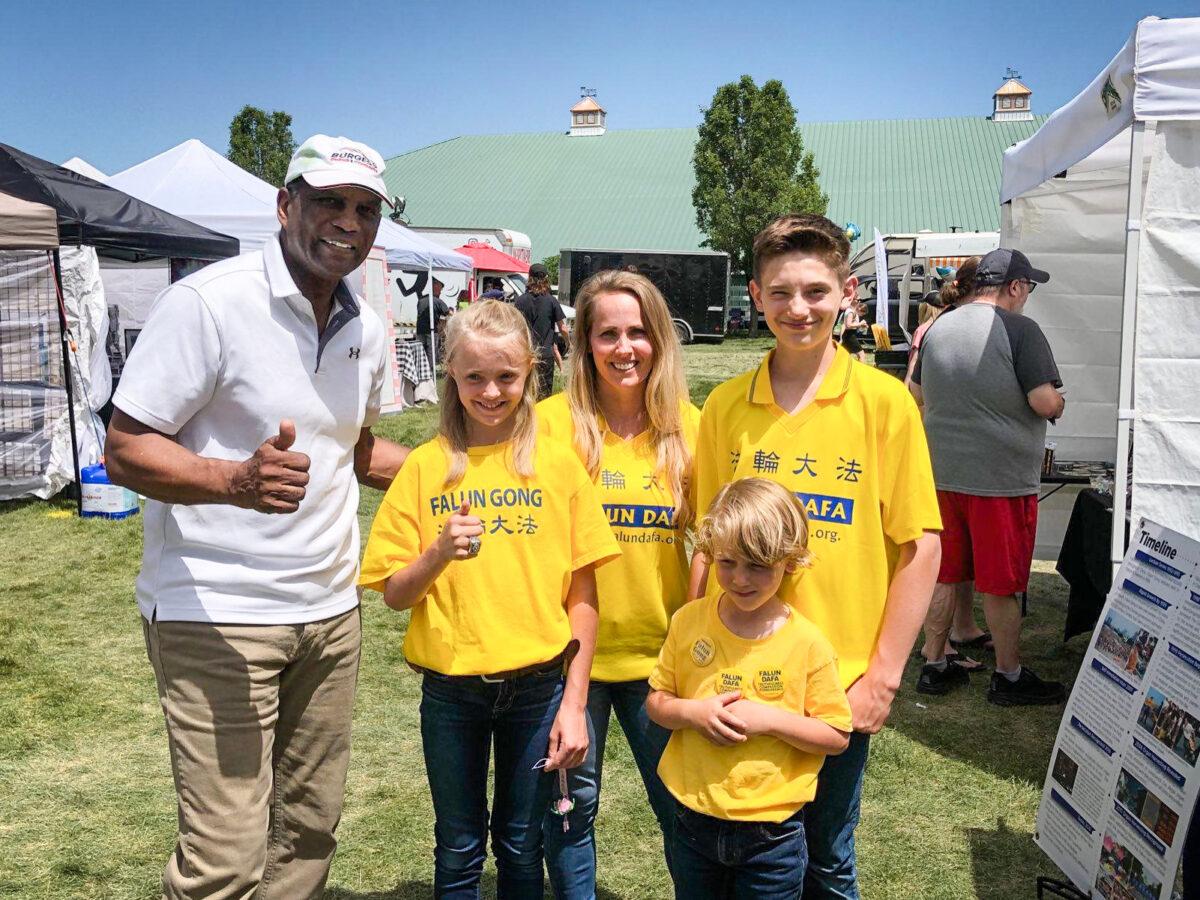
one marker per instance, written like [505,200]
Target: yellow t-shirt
[856,456]
[504,609]
[763,779]
[639,592]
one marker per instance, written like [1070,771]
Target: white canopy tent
[83,167]
[197,183]
[1106,196]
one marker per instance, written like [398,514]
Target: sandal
[979,642]
[963,662]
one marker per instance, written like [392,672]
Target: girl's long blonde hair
[496,320]
[666,389]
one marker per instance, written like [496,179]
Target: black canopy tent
[90,214]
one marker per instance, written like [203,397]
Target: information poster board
[1123,779]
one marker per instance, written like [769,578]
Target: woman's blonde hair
[666,389]
[758,520]
[495,320]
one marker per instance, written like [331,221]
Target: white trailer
[913,260]
[514,243]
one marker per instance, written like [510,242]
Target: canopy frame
[1154,77]
[1125,411]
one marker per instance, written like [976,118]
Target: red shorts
[988,540]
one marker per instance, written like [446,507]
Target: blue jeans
[571,855]
[462,719]
[829,821]
[718,859]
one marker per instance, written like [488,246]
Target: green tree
[551,264]
[751,166]
[261,143]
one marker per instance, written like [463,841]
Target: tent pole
[66,357]
[433,335]
[1125,411]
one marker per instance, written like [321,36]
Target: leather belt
[560,663]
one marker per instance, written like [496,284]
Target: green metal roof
[633,189]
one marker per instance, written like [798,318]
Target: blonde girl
[627,414]
[490,535]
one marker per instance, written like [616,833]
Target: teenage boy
[848,440]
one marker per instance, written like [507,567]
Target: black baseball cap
[1002,266]
[537,270]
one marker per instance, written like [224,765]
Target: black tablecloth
[1084,560]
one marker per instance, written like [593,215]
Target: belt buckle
[488,679]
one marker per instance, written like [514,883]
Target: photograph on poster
[1122,875]
[1171,725]
[1065,770]
[1147,806]
[1127,645]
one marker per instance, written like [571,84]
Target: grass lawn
[87,805]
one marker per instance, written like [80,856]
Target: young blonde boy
[847,440]
[751,690]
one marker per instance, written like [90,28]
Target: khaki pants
[258,722]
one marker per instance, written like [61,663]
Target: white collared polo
[225,355]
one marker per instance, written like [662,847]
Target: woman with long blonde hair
[627,414]
[490,534]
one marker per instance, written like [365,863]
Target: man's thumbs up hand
[286,436]
[273,479]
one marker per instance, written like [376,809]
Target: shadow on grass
[58,501]
[1009,742]
[1005,864]
[423,890]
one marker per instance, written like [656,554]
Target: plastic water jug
[102,499]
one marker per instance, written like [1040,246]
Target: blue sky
[117,82]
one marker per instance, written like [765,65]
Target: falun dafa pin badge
[769,683]
[729,680]
[703,651]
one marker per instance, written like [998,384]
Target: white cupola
[1011,102]
[587,116]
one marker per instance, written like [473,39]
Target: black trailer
[695,284]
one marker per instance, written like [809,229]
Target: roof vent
[587,116]
[1010,103]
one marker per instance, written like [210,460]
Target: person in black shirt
[545,318]
[424,330]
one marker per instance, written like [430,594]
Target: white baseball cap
[325,161]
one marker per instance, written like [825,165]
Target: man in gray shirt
[989,384]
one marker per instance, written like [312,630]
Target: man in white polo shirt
[244,414]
